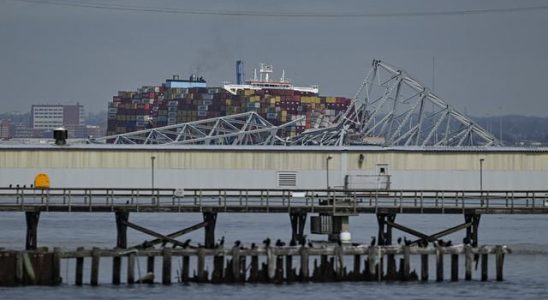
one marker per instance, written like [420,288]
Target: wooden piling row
[239,264]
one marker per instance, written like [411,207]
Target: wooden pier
[255,264]
[329,212]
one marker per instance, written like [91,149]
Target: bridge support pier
[32,218]
[298,220]
[122,217]
[385,229]
[472,231]
[209,237]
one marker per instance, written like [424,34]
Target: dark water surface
[526,270]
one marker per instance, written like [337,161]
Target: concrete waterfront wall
[258,167]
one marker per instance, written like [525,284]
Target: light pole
[328,158]
[481,174]
[152,158]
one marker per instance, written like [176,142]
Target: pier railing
[274,200]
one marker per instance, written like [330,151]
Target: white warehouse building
[364,167]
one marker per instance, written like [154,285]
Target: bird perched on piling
[267,242]
[292,243]
[253,246]
[373,241]
[237,243]
[279,243]
[406,241]
[399,240]
[186,243]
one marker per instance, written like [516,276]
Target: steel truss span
[390,109]
[393,109]
[240,129]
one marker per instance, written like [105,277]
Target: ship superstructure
[264,81]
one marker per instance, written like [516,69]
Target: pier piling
[95,258]
[166,266]
[43,267]
[32,218]
[209,233]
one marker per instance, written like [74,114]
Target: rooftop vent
[60,135]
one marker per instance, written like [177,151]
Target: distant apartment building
[46,117]
[7,129]
[51,116]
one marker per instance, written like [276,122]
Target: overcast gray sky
[487,63]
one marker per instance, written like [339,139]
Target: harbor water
[525,270]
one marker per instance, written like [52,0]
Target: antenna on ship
[283,76]
[265,70]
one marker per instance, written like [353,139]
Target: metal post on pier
[152,158]
[327,159]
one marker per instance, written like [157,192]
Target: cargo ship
[185,100]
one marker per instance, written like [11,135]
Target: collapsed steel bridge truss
[390,108]
[240,129]
[393,109]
